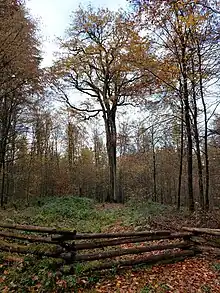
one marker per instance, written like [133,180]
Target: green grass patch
[80,214]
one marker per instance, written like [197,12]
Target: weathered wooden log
[115,242]
[210,250]
[145,260]
[118,235]
[85,236]
[11,247]
[202,241]
[202,231]
[38,229]
[30,238]
[137,250]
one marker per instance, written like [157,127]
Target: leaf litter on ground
[195,275]
[191,275]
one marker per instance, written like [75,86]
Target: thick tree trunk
[110,127]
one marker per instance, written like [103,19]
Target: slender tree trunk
[120,186]
[8,183]
[181,158]
[189,157]
[206,132]
[197,141]
[29,168]
[4,135]
[154,167]
[71,151]
[183,62]
[200,172]
[189,133]
[10,190]
[3,146]
[97,167]
[3,184]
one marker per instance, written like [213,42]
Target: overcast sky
[54,18]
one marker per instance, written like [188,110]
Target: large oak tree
[98,61]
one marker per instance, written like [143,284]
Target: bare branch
[66,99]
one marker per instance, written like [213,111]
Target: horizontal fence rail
[72,247]
[153,259]
[38,229]
[114,242]
[121,252]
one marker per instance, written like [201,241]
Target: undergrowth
[80,214]
[70,213]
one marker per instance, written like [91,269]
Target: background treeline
[146,126]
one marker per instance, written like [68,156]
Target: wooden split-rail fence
[72,247]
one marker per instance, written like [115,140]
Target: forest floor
[28,274]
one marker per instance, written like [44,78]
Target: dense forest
[128,109]
[110,150]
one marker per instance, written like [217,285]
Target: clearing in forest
[28,274]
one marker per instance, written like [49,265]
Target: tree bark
[197,141]
[206,131]
[5,120]
[181,158]
[154,167]
[111,136]
[188,130]
[2,170]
